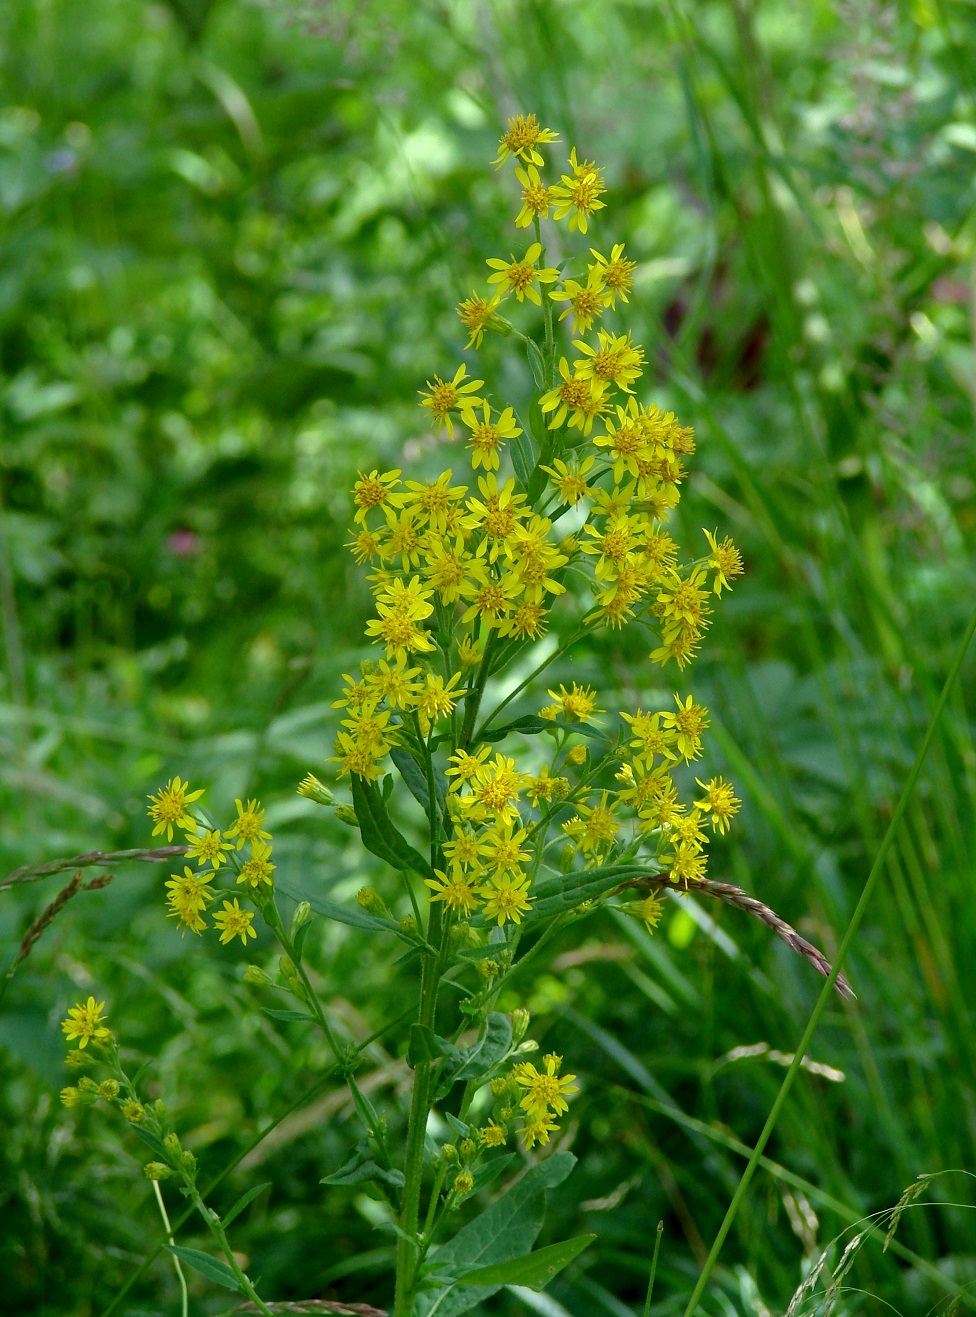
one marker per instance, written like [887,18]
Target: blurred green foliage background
[231,239]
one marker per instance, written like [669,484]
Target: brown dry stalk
[29,873]
[741,900]
[51,912]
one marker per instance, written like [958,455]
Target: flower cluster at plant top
[191,892]
[465,573]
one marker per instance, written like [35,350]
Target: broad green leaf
[243,1202]
[506,1229]
[534,1271]
[285,1015]
[492,1048]
[380,834]
[460,1127]
[207,1266]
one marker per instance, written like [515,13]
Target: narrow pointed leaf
[207,1266]
[243,1202]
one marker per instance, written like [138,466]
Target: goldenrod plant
[541,803]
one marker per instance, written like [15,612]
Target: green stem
[407,1251]
[825,993]
[217,1230]
[472,701]
[568,644]
[184,1296]
[550,359]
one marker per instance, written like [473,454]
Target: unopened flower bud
[577,755]
[172,1145]
[108,1089]
[449,1152]
[506,1113]
[560,788]
[157,1171]
[458,936]
[520,1023]
[70,1096]
[133,1111]
[408,925]
[302,915]
[500,1086]
[87,1085]
[189,1164]
[487,968]
[312,789]
[467,1149]
[497,324]
[79,1060]
[530,1045]
[463,1183]
[371,901]
[346,814]
[256,975]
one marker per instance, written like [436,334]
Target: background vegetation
[231,240]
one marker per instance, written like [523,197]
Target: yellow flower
[569,481]
[477,314]
[465,851]
[586,302]
[687,863]
[188,898]
[85,1021]
[522,135]
[489,597]
[397,684]
[465,766]
[537,1131]
[579,397]
[617,274]
[689,723]
[437,700]
[576,756]
[720,801]
[579,192]
[248,826]
[234,922]
[493,1136]
[258,869]
[446,396]
[519,276]
[546,1091]
[455,891]
[648,737]
[372,491]
[501,847]
[595,827]
[544,787]
[577,705]
[208,848]
[684,600]
[488,437]
[536,197]
[168,806]
[506,898]
[616,361]
[651,910]
[725,559]
[497,513]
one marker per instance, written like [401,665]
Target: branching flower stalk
[560,518]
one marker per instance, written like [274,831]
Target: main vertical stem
[417,1128]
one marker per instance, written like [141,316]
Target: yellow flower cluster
[190,892]
[536,1097]
[465,572]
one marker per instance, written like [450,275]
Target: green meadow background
[232,236]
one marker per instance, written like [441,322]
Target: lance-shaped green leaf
[243,1202]
[207,1266]
[152,1141]
[353,915]
[361,1167]
[534,1271]
[379,833]
[416,779]
[505,1230]
[425,1045]
[531,725]
[285,1015]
